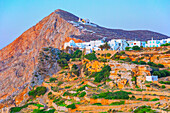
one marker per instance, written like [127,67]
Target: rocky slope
[19,59]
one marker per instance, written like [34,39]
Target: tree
[127,48]
[142,62]
[64,55]
[108,54]
[167,44]
[101,47]
[157,73]
[127,59]
[160,65]
[77,54]
[91,56]
[62,62]
[106,46]
[53,79]
[136,48]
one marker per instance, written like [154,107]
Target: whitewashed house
[153,43]
[164,41]
[89,46]
[151,78]
[136,43]
[71,43]
[118,44]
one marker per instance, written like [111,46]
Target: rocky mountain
[19,59]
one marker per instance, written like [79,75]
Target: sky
[16,16]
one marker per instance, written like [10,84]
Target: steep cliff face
[18,60]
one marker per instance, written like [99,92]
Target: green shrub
[82,94]
[67,87]
[155,99]
[113,95]
[43,111]
[144,109]
[160,65]
[53,79]
[103,60]
[133,79]
[82,88]
[163,86]
[139,99]
[59,83]
[66,93]
[55,88]
[17,109]
[142,62]
[127,48]
[65,56]
[72,106]
[50,93]
[103,74]
[77,54]
[127,59]
[164,82]
[91,56]
[167,44]
[122,53]
[98,104]
[147,85]
[118,103]
[108,54]
[136,48]
[62,62]
[38,91]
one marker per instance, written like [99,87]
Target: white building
[89,46]
[151,78]
[153,43]
[136,43]
[118,44]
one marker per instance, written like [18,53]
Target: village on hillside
[101,77]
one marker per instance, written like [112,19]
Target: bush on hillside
[82,94]
[77,54]
[91,56]
[113,95]
[108,54]
[62,62]
[127,59]
[53,79]
[136,48]
[127,48]
[103,74]
[167,44]
[72,106]
[144,109]
[38,91]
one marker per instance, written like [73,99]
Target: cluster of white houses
[115,44]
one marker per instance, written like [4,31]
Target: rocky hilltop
[19,59]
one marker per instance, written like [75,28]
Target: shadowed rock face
[19,59]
